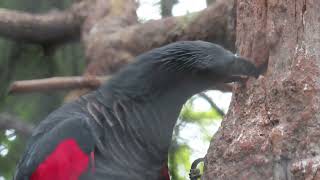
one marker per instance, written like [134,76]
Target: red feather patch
[66,162]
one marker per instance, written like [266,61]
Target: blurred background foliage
[20,61]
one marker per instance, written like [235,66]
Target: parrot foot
[194,172]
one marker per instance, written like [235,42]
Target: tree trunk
[272,130]
[166,7]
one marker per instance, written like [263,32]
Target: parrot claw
[194,172]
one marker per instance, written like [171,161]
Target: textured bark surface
[104,55]
[272,129]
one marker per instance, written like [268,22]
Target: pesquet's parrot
[122,131]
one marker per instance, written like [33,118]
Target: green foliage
[202,117]
[181,151]
[179,161]
[9,161]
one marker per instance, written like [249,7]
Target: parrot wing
[62,147]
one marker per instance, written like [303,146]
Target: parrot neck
[149,100]
[163,111]
[153,114]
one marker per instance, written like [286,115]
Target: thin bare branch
[8,121]
[73,82]
[56,83]
[212,104]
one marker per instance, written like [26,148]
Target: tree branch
[8,121]
[109,51]
[166,7]
[56,83]
[51,28]
[99,31]
[74,82]
[212,104]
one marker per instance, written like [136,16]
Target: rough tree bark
[272,129]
